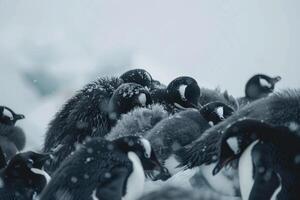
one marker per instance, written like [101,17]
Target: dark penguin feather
[277,109]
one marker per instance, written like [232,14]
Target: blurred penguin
[268,156]
[101,169]
[23,177]
[258,86]
[12,138]
[181,93]
[93,118]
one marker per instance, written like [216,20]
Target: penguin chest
[135,181]
[246,171]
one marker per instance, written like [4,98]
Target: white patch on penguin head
[233,144]
[181,90]
[7,113]
[220,112]
[41,172]
[264,83]
[142,99]
[147,147]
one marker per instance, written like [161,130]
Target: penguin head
[126,97]
[260,85]
[9,117]
[184,92]
[142,148]
[238,136]
[26,169]
[139,76]
[216,112]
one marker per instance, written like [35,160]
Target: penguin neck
[136,179]
[246,171]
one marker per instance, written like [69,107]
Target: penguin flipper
[204,150]
[113,184]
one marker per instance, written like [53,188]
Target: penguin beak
[276,79]
[221,164]
[19,116]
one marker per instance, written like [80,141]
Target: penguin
[92,118]
[102,169]
[126,97]
[157,124]
[23,177]
[142,77]
[216,95]
[138,121]
[8,116]
[215,112]
[181,93]
[268,157]
[174,132]
[12,138]
[277,109]
[258,86]
[98,92]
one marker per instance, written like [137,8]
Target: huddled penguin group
[130,137]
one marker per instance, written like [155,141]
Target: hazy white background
[50,48]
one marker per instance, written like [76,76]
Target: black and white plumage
[12,138]
[215,112]
[278,109]
[93,99]
[103,169]
[181,93]
[127,97]
[8,116]
[258,86]
[269,164]
[23,177]
[138,121]
[92,117]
